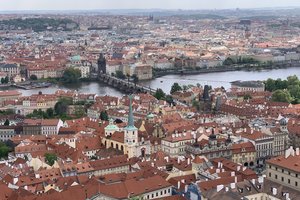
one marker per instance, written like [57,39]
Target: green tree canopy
[160,94]
[50,112]
[104,116]
[50,158]
[175,87]
[120,75]
[135,79]
[71,75]
[33,77]
[6,123]
[4,150]
[282,96]
[60,108]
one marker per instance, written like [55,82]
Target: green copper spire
[130,126]
[130,114]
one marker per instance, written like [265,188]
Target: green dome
[111,126]
[150,116]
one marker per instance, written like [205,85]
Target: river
[216,79]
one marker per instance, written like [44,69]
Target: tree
[270,85]
[50,112]
[6,79]
[60,108]
[247,97]
[33,77]
[228,61]
[71,75]
[294,91]
[160,94]
[6,123]
[50,158]
[170,100]
[293,80]
[175,88]
[104,116]
[135,79]
[4,150]
[79,111]
[120,75]
[281,96]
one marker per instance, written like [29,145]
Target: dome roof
[283,122]
[150,116]
[111,126]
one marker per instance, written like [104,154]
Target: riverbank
[246,67]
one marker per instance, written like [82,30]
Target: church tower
[130,131]
[101,64]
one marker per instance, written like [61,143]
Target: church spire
[130,114]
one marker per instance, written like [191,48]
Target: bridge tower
[101,64]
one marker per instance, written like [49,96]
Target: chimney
[232,185]
[226,189]
[232,174]
[235,179]
[15,180]
[189,160]
[260,179]
[167,159]
[186,188]
[178,184]
[238,168]
[244,168]
[178,160]
[182,181]
[297,151]
[253,181]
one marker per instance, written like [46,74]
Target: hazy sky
[126,4]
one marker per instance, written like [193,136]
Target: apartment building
[285,170]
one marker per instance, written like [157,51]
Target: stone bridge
[124,85]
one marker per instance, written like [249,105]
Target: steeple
[131,132]
[130,114]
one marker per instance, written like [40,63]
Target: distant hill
[38,24]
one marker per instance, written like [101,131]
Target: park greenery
[39,24]
[33,77]
[104,116]
[175,88]
[6,112]
[161,95]
[284,90]
[50,158]
[4,150]
[240,60]
[60,110]
[4,80]
[6,123]
[71,75]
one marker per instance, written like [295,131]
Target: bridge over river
[124,84]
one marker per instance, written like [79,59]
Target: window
[282,170]
[296,183]
[270,174]
[282,178]
[275,176]
[289,181]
